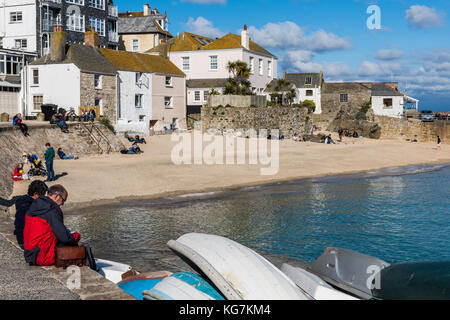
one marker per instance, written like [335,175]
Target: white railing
[113,11]
[47,25]
[53,1]
[113,36]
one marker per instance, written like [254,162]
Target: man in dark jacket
[49,157]
[45,229]
[35,190]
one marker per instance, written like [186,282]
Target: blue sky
[412,47]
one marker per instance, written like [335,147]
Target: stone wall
[392,128]
[237,101]
[108,94]
[288,120]
[358,94]
[13,144]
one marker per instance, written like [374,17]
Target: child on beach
[439,143]
[18,173]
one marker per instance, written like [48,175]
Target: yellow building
[143,30]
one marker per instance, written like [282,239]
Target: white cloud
[423,17]
[389,54]
[203,27]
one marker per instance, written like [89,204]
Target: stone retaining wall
[237,101]
[288,120]
[392,128]
[13,144]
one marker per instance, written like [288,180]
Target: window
[269,68]
[138,101]
[213,63]
[168,81]
[135,45]
[80,2]
[21,43]
[344,97]
[1,42]
[15,17]
[97,81]
[205,95]
[252,65]
[98,25]
[261,66]
[309,93]
[141,118]
[37,102]
[387,103]
[186,65]
[308,80]
[75,22]
[35,76]
[2,64]
[99,4]
[168,102]
[10,65]
[138,77]
[197,96]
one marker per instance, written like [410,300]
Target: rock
[41,117]
[364,128]
[4,117]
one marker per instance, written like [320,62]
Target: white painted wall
[21,30]
[397,106]
[58,83]
[257,80]
[191,96]
[316,97]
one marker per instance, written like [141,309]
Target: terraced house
[28,23]
[205,60]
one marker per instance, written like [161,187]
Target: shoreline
[181,196]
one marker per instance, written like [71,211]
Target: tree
[239,82]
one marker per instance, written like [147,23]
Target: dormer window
[308,80]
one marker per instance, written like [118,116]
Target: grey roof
[86,58]
[273,85]
[134,25]
[206,83]
[300,79]
[382,90]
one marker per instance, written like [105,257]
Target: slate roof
[191,42]
[137,25]
[300,79]
[206,83]
[139,62]
[86,58]
[272,86]
[382,90]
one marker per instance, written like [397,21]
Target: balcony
[113,11]
[47,25]
[113,36]
[52,3]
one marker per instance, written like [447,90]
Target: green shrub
[308,104]
[105,121]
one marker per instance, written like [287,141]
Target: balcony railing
[47,25]
[113,11]
[52,2]
[113,36]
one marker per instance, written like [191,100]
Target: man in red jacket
[44,228]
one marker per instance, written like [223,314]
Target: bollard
[4,117]
[40,117]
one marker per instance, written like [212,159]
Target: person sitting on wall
[59,120]
[92,115]
[63,156]
[35,190]
[45,229]
[18,173]
[17,121]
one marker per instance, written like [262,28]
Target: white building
[203,58]
[151,89]
[308,87]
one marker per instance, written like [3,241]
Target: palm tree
[239,82]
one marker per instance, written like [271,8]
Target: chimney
[245,39]
[284,74]
[91,38]
[57,45]
[146,10]
[163,49]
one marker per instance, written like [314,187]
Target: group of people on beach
[134,149]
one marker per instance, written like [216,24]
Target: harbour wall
[289,120]
[78,142]
[393,128]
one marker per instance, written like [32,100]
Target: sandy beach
[105,179]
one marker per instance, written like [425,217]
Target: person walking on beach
[49,157]
[439,143]
[341,133]
[45,229]
[36,190]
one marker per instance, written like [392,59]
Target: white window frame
[341,96]
[260,67]
[213,66]
[97,4]
[14,17]
[23,43]
[98,84]
[308,80]
[186,66]
[205,95]
[170,82]
[168,102]
[98,25]
[133,41]
[34,101]
[79,2]
[75,22]
[139,100]
[269,68]
[35,77]
[197,94]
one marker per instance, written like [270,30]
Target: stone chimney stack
[57,45]
[245,38]
[91,38]
[146,10]
[164,49]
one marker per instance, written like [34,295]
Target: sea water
[398,215]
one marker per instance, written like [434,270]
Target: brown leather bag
[70,256]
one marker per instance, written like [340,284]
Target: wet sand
[109,179]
